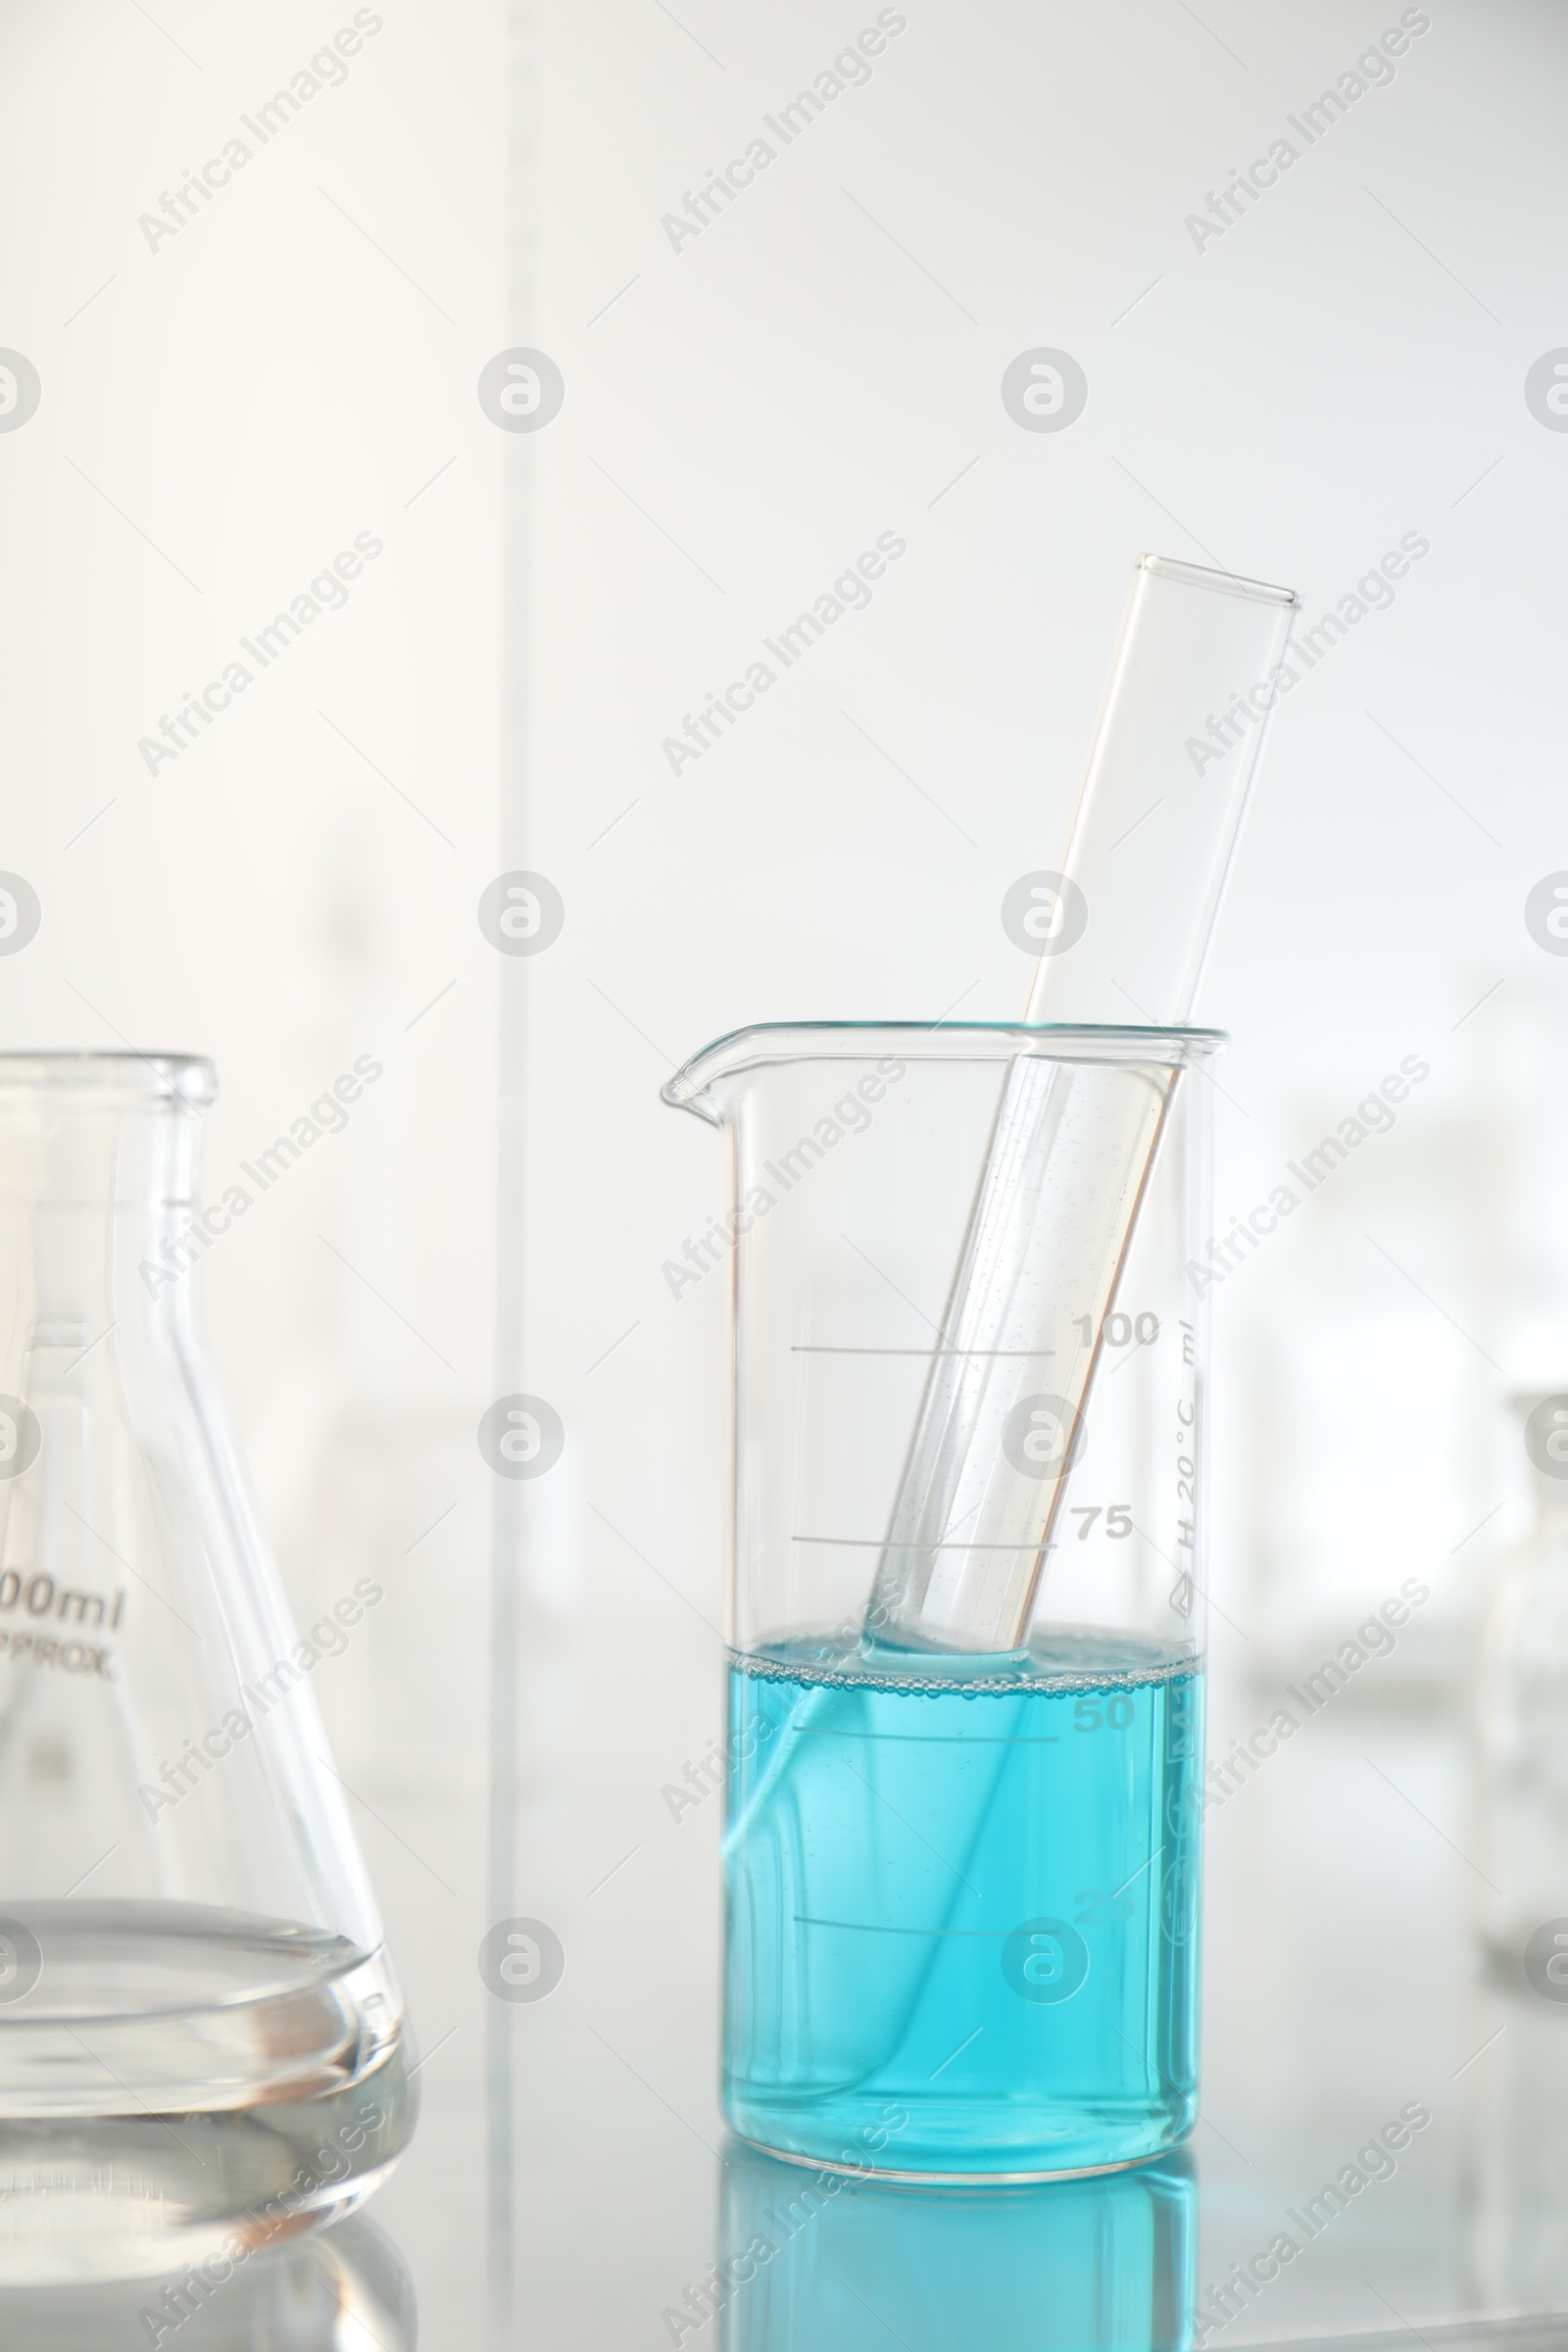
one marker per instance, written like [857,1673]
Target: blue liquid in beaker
[963,1892]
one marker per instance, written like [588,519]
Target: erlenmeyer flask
[200,2036]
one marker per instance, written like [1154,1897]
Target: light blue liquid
[964,1892]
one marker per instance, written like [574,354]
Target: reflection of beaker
[343,2290]
[829,2262]
[1521,1744]
[200,2036]
[962,1886]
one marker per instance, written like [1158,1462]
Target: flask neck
[99,1207]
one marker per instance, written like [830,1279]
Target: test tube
[1124,925]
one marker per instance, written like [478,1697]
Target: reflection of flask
[201,2038]
[835,2263]
[1521,1724]
[344,2290]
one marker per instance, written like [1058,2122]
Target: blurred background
[212,390]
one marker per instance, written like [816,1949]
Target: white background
[1346,365]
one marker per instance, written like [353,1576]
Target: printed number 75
[1119,1519]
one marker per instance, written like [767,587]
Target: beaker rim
[762,1044]
[185,1078]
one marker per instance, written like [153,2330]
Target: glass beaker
[1513,2138]
[1520,1758]
[959,1885]
[202,2042]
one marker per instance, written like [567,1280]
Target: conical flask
[201,2041]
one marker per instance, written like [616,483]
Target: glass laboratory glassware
[1059,2267]
[1512,2136]
[200,2036]
[1521,1723]
[962,1882]
[1128,921]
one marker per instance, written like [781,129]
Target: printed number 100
[1116,1330]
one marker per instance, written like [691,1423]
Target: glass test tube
[1125,927]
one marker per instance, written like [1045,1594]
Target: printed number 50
[1118,1713]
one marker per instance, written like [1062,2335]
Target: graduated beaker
[962,1884]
